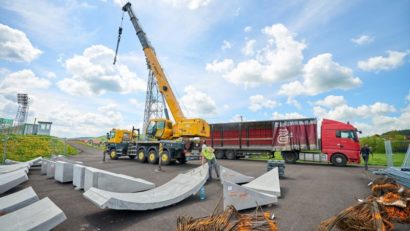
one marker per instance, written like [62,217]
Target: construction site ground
[310,194]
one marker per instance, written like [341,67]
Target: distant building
[42,128]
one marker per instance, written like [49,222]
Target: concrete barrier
[44,163]
[78,176]
[114,182]
[230,175]
[174,191]
[41,215]
[17,200]
[267,183]
[63,172]
[51,165]
[12,179]
[244,198]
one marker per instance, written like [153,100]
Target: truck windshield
[347,134]
[112,134]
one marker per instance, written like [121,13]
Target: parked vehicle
[296,139]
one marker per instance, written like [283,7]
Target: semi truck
[296,139]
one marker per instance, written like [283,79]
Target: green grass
[378,159]
[101,147]
[27,147]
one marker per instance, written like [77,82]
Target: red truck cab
[339,141]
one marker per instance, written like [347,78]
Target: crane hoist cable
[119,38]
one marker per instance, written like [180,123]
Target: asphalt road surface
[310,194]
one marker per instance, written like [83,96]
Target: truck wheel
[132,157]
[230,155]
[113,155]
[153,157]
[219,154]
[339,160]
[141,156]
[165,158]
[289,157]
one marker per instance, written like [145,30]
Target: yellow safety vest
[208,154]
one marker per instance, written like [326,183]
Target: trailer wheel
[141,156]
[219,154]
[230,155]
[289,157]
[165,158]
[339,160]
[153,157]
[113,155]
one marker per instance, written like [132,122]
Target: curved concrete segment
[230,175]
[17,200]
[41,215]
[4,169]
[174,191]
[267,183]
[245,198]
[11,180]
[114,182]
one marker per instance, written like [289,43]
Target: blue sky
[343,60]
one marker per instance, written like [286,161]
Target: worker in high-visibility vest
[207,154]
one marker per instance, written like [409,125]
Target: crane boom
[163,84]
[163,128]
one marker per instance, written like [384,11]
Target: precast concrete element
[41,215]
[174,191]
[78,176]
[114,182]
[4,169]
[44,164]
[267,183]
[63,172]
[245,198]
[12,179]
[51,167]
[227,174]
[17,200]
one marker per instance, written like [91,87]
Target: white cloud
[331,101]
[92,73]
[393,60]
[362,39]
[281,59]
[55,24]
[291,115]
[321,74]
[294,102]
[258,102]
[197,103]
[190,4]
[408,97]
[220,66]
[15,46]
[226,45]
[249,47]
[247,29]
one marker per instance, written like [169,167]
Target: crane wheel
[141,156]
[153,157]
[165,158]
[113,155]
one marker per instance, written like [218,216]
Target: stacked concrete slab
[14,167]
[174,191]
[230,175]
[51,165]
[114,182]
[64,171]
[17,200]
[261,191]
[12,179]
[40,215]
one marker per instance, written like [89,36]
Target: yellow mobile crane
[160,130]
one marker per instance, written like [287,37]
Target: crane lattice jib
[154,65]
